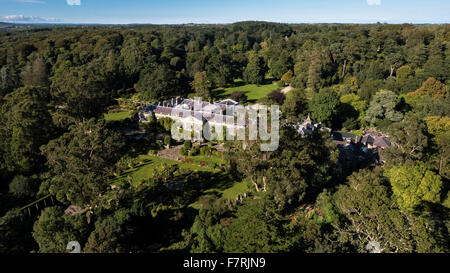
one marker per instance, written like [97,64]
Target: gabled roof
[382,142]
[367,140]
[373,134]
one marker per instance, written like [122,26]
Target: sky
[224,11]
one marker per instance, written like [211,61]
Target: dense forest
[59,155]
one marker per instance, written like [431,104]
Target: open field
[148,164]
[231,192]
[117,115]
[253,91]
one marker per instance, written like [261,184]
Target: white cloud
[73,2]
[373,2]
[27,19]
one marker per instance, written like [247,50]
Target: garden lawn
[117,115]
[149,163]
[230,193]
[253,91]
[210,161]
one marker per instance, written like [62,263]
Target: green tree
[22,186]
[80,162]
[372,215]
[295,104]
[409,141]
[26,124]
[324,106]
[81,92]
[299,165]
[36,73]
[256,229]
[280,63]
[15,232]
[414,184]
[404,74]
[301,75]
[369,88]
[383,106]
[133,58]
[356,103]
[201,85]
[9,79]
[187,144]
[110,234]
[54,230]
[158,83]
[439,127]
[314,74]
[255,71]
[220,67]
[167,141]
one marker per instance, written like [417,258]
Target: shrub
[166,124]
[239,96]
[22,186]
[167,140]
[194,151]
[205,150]
[277,97]
[187,145]
[183,151]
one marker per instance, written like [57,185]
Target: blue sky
[225,11]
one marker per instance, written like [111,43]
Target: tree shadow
[268,81]
[219,94]
[238,83]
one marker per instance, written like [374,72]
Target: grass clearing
[253,91]
[113,116]
[213,159]
[237,188]
[148,165]
[230,193]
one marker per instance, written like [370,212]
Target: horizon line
[228,23]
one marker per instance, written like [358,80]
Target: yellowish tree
[432,88]
[414,184]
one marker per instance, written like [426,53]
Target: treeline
[56,83]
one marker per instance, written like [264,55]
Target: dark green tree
[254,72]
[81,92]
[80,162]
[324,106]
[26,124]
[158,83]
[54,230]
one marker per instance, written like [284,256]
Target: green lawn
[117,115]
[214,159]
[230,193]
[148,165]
[253,91]
[237,188]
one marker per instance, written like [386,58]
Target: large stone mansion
[191,112]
